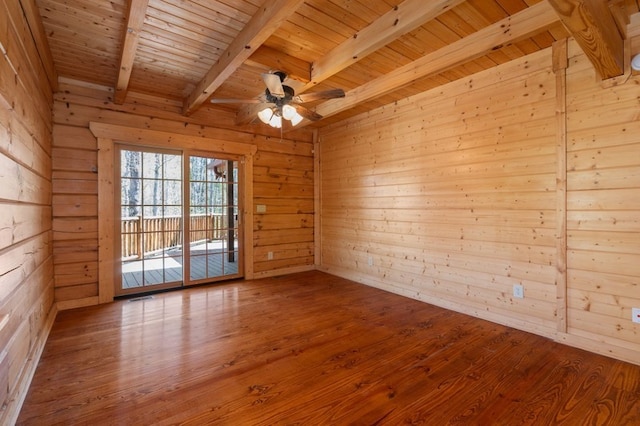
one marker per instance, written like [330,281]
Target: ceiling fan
[280,101]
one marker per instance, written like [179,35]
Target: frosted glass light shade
[296,119]
[274,118]
[635,63]
[288,112]
[276,121]
[265,115]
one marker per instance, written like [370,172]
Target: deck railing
[140,236]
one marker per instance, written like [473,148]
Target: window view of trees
[153,222]
[151,199]
[154,180]
[151,184]
[208,196]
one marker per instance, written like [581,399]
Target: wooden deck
[169,268]
[314,349]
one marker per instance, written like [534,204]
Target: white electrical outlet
[518,291]
[270,255]
[261,208]
[635,315]
[370,261]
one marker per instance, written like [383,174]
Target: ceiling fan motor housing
[282,75]
[288,96]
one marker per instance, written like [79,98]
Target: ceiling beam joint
[595,30]
[269,17]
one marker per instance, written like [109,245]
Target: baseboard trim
[284,271]
[78,303]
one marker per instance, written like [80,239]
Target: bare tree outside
[153,216]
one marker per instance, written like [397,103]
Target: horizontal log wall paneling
[282,182]
[27,308]
[603,219]
[75,214]
[449,197]
[283,234]
[456,195]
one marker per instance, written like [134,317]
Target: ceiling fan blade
[307,113]
[236,101]
[316,96]
[273,83]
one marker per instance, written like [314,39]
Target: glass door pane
[213,222]
[151,220]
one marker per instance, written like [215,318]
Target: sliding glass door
[213,210]
[169,201]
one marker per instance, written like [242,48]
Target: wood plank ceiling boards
[378,52]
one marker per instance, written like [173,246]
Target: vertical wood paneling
[26,263]
[106,225]
[449,197]
[560,63]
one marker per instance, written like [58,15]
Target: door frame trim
[107,135]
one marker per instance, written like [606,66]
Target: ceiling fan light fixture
[288,112]
[283,102]
[273,116]
[266,115]
[276,121]
[296,119]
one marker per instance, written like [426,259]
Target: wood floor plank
[312,348]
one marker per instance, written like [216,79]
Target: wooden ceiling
[378,51]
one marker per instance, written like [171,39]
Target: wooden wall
[603,211]
[283,182]
[455,195]
[26,264]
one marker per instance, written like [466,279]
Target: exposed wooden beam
[275,60]
[620,15]
[507,31]
[135,18]
[267,20]
[400,20]
[590,22]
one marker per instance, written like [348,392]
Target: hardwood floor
[311,349]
